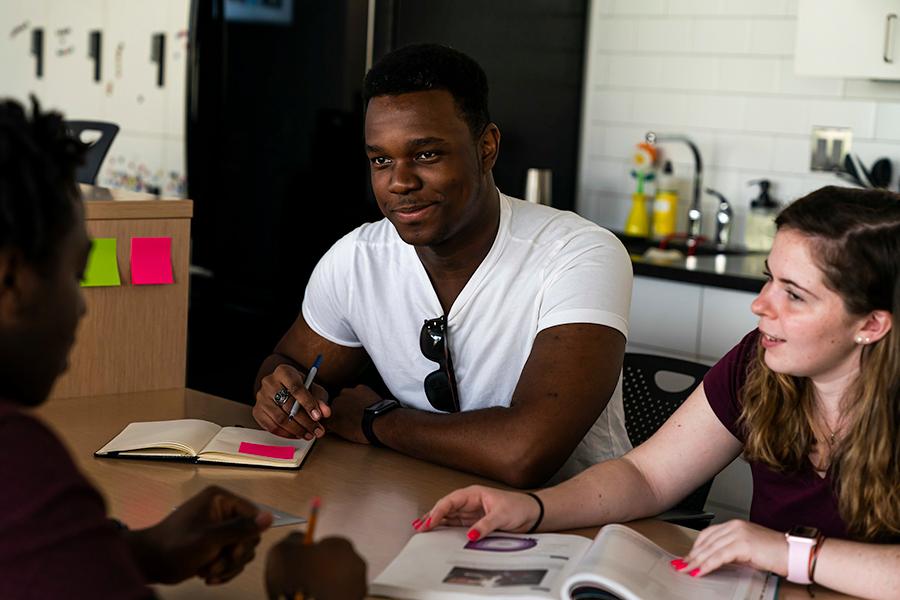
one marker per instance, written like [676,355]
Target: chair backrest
[87,173]
[648,406]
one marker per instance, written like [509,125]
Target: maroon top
[780,500]
[55,538]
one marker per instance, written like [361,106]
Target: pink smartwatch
[801,542]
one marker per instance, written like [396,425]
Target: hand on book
[276,418]
[212,535]
[483,510]
[740,542]
[328,570]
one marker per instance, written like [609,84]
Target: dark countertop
[742,272]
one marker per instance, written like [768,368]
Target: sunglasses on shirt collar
[440,385]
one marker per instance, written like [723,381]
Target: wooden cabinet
[848,38]
[133,338]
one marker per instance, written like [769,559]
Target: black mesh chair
[648,406]
[87,173]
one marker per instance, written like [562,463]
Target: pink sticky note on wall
[151,261]
[286,452]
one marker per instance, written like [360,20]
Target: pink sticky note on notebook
[286,452]
[151,261]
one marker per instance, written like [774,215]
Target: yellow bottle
[638,222]
[665,207]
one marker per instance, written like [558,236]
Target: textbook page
[632,567]
[444,564]
[163,438]
[226,447]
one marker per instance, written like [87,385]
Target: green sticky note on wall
[102,266]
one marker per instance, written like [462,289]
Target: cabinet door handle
[95,47]
[37,50]
[889,38]
[158,55]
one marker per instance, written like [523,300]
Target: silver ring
[281,396]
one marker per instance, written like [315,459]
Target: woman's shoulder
[722,384]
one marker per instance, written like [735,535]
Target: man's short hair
[423,67]
[38,158]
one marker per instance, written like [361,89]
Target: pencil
[310,530]
[311,525]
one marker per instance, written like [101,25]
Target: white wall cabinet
[848,38]
[689,321]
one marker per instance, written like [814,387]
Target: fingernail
[315,415]
[319,432]
[417,523]
[428,522]
[678,564]
[473,535]
[307,436]
[694,573]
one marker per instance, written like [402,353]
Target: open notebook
[199,441]
[618,564]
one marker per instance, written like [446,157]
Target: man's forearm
[498,443]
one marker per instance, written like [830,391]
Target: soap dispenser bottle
[760,230]
[665,207]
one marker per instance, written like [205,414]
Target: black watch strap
[373,412]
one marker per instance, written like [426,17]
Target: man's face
[427,171]
[38,335]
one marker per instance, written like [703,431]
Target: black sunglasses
[440,385]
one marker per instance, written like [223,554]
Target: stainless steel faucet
[694,214]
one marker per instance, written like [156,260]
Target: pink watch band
[799,551]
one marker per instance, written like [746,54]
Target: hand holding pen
[291,405]
[328,570]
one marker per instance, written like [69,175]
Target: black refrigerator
[275,160]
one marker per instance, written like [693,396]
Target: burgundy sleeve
[725,379]
[55,538]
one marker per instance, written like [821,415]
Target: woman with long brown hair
[812,400]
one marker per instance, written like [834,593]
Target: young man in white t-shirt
[498,326]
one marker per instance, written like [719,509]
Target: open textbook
[618,564]
[199,441]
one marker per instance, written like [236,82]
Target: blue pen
[308,383]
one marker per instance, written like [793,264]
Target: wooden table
[369,495]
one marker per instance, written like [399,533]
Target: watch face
[382,406]
[804,531]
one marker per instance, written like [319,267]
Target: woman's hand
[738,542]
[483,510]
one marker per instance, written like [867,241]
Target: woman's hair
[855,240]
[38,158]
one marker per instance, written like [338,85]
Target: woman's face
[806,329]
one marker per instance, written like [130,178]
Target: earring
[859,339]
[867,340]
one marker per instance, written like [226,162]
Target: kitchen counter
[730,271]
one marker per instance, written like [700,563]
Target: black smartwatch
[373,412]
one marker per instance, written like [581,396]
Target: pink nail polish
[678,564]
[417,523]
[473,535]
[694,573]
[428,522]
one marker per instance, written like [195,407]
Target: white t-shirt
[546,267]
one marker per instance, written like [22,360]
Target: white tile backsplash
[721,72]
[754,75]
[771,37]
[721,36]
